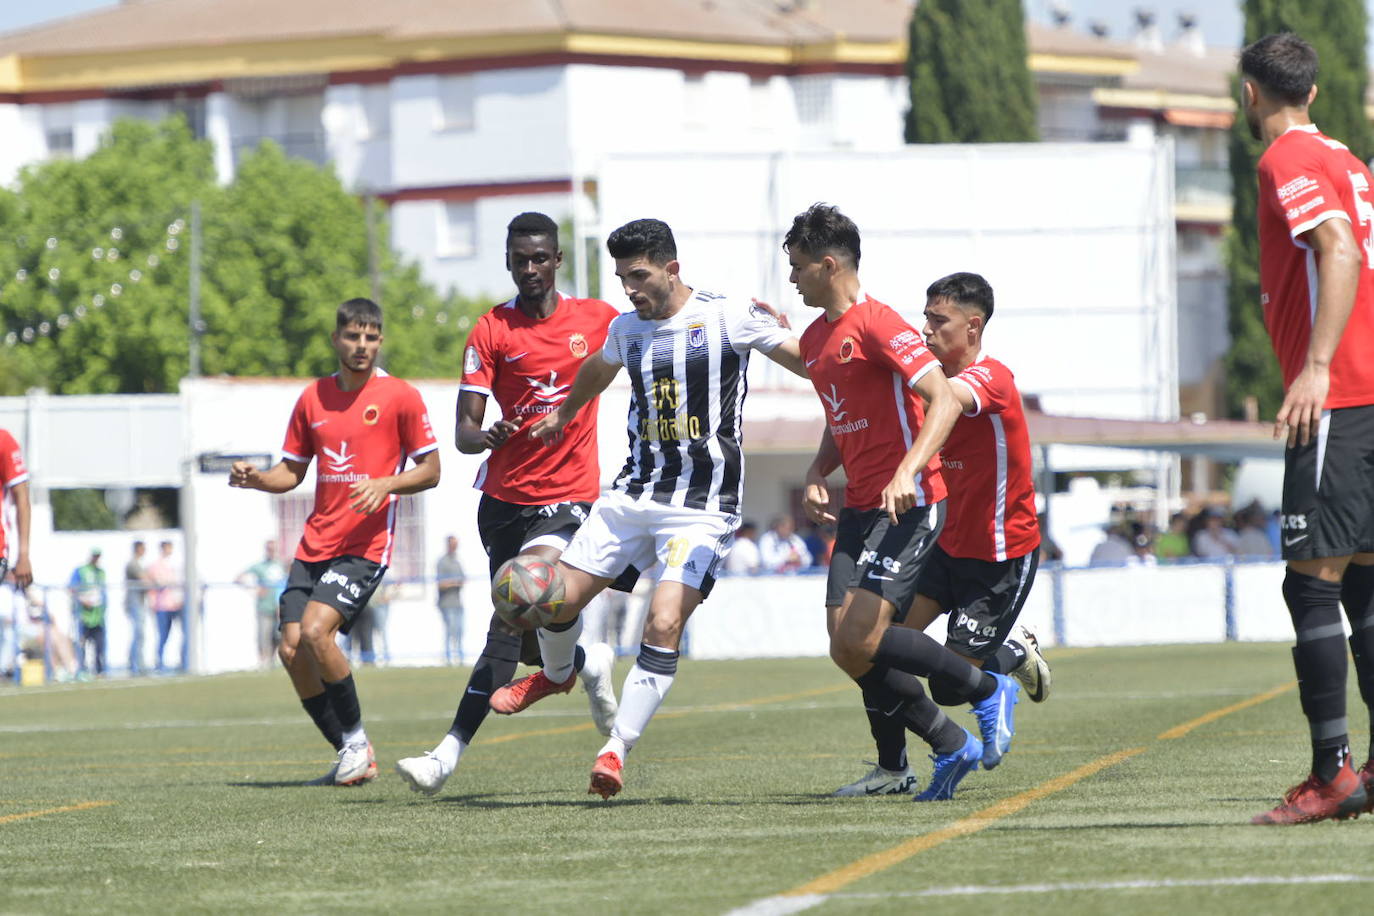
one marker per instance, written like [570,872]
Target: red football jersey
[357,435]
[864,366]
[528,365]
[987,466]
[1306,178]
[12,471]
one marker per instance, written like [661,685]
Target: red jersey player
[1316,214]
[525,353]
[984,565]
[14,479]
[362,425]
[872,371]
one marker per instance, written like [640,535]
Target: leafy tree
[970,80]
[95,272]
[1336,29]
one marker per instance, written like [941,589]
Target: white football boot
[597,670]
[425,774]
[880,782]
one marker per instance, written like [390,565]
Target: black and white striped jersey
[687,388]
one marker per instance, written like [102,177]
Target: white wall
[22,128]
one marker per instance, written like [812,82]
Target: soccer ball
[527,592]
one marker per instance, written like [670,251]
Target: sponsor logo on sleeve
[1295,212]
[471,361]
[1296,188]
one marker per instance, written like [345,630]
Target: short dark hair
[648,237]
[363,312]
[964,289]
[531,223]
[820,230]
[1283,65]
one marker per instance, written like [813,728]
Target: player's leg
[1323,482]
[691,545]
[1357,594]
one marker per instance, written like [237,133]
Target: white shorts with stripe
[691,544]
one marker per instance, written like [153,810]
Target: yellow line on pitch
[879,861]
[83,806]
[1178,731]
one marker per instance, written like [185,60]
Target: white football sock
[357,736]
[559,651]
[642,694]
[449,750]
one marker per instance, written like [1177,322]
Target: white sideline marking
[783,905]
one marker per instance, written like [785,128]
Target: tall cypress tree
[1337,30]
[970,82]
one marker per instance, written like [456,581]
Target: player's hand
[816,500]
[367,496]
[1301,412]
[778,316]
[548,429]
[500,431]
[899,495]
[23,572]
[243,474]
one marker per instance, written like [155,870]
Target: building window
[456,103]
[407,552]
[812,97]
[458,229]
[58,124]
[376,102]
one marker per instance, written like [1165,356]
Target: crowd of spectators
[1207,533]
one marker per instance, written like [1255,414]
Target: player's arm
[788,355]
[282,477]
[816,496]
[593,378]
[23,512]
[1339,262]
[900,494]
[963,394]
[367,496]
[470,437]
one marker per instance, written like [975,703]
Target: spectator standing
[781,549]
[169,603]
[1252,538]
[267,577]
[745,559]
[136,603]
[450,578]
[89,599]
[1214,540]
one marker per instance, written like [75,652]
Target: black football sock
[323,715]
[1320,661]
[495,668]
[1006,659]
[937,729]
[918,711]
[343,696]
[887,728]
[914,652]
[1357,594]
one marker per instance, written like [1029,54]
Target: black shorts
[1328,488]
[505,528]
[872,553]
[983,598]
[344,583]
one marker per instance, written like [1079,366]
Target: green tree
[95,274]
[1336,29]
[970,80]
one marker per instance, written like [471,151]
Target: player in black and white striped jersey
[677,499]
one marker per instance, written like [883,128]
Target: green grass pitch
[183,795]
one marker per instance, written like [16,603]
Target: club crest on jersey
[471,361]
[847,349]
[578,345]
[371,414]
[696,335]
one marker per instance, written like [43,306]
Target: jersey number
[1365,211]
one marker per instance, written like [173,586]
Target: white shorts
[692,544]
